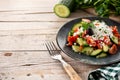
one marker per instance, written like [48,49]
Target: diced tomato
[114,29]
[99,41]
[76,29]
[86,20]
[76,37]
[71,40]
[81,47]
[113,49]
[107,40]
[84,33]
[91,42]
[97,24]
[117,34]
[99,45]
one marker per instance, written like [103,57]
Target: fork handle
[70,71]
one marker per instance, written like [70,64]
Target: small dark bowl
[61,40]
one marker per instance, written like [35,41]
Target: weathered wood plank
[41,67]
[24,42]
[38,16]
[18,26]
[28,32]
[6,5]
[22,64]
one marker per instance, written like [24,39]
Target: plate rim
[116,61]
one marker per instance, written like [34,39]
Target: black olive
[90,31]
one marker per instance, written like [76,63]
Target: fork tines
[51,48]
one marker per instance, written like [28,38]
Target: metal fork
[55,54]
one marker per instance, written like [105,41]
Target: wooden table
[24,25]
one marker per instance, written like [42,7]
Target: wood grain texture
[24,26]
[39,63]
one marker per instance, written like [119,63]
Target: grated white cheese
[100,30]
[78,32]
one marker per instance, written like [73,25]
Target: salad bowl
[61,40]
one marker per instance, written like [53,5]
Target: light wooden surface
[24,26]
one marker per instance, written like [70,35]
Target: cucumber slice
[64,8]
[102,55]
[85,43]
[81,41]
[114,39]
[78,25]
[87,50]
[76,48]
[105,48]
[96,52]
[61,10]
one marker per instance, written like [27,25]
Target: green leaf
[102,10]
[84,25]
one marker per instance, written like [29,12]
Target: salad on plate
[94,38]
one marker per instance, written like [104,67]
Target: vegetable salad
[94,38]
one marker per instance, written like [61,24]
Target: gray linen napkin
[105,73]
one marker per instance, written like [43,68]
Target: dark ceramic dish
[62,41]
